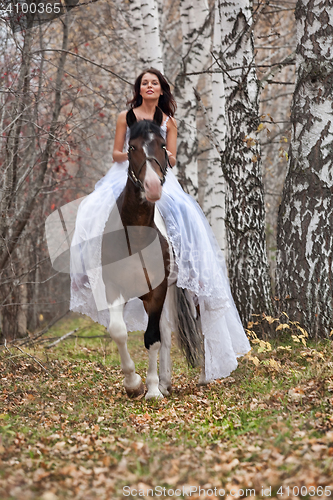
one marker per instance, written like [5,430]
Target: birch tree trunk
[144,21]
[305,222]
[195,56]
[245,208]
[150,23]
[216,186]
[135,21]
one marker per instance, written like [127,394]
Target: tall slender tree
[135,21]
[194,15]
[245,207]
[152,42]
[214,204]
[305,222]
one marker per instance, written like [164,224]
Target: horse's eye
[131,148]
[163,146]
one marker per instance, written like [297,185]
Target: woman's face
[150,87]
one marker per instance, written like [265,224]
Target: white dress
[201,267]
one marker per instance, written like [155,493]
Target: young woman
[200,263]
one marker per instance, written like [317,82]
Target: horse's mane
[143,128]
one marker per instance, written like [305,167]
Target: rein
[131,174]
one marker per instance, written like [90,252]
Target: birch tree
[305,222]
[245,208]
[145,24]
[135,21]
[216,185]
[195,24]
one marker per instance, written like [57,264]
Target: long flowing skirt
[200,263]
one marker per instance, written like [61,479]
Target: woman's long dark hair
[166,101]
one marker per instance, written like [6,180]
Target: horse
[137,261]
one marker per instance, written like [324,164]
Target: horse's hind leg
[118,332]
[202,377]
[165,358]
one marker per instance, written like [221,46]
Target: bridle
[136,181]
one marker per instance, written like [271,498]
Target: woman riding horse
[199,261]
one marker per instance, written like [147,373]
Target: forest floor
[71,433]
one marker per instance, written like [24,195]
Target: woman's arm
[171,140]
[119,139]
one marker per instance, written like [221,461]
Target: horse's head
[148,159]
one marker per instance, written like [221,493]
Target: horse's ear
[130,118]
[158,116]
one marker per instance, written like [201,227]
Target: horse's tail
[188,330]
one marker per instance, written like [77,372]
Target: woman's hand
[172,159]
[171,141]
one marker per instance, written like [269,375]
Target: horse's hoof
[154,395]
[137,393]
[203,381]
[166,391]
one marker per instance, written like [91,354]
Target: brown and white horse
[137,261]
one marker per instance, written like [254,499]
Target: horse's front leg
[153,344]
[152,379]
[202,377]
[118,332]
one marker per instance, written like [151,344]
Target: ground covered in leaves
[71,433]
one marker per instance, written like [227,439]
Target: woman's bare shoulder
[172,122]
[122,116]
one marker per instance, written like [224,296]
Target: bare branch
[9,353]
[25,213]
[32,357]
[46,329]
[290,59]
[85,59]
[61,338]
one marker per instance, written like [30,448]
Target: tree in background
[103,57]
[305,221]
[245,207]
[29,138]
[145,23]
[57,116]
[215,192]
[196,30]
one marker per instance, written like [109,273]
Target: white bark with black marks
[150,23]
[135,21]
[216,187]
[245,207]
[194,16]
[305,222]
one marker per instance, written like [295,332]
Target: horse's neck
[134,211]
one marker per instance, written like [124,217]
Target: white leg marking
[118,333]
[165,359]
[152,376]
[167,321]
